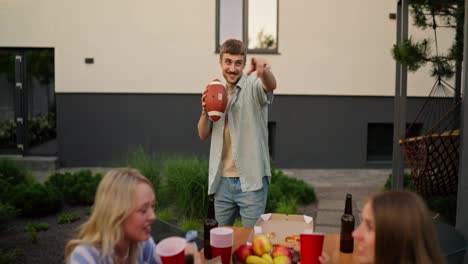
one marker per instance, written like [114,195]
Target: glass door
[27,102]
[10,103]
[39,98]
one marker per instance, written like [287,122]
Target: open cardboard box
[283,229]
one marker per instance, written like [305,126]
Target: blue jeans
[230,200]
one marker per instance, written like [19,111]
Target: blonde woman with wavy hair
[119,228]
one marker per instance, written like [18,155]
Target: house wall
[334,70]
[325,47]
[311,131]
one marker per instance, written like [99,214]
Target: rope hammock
[433,155]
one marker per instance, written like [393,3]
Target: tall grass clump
[192,224]
[287,206]
[185,184]
[148,164]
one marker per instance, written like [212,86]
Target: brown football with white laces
[215,100]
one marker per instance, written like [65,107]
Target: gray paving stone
[324,204]
[329,217]
[327,229]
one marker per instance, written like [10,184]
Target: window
[255,22]
[380,140]
[271,138]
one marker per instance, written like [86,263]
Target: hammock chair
[433,154]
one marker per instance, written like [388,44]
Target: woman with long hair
[119,228]
[396,227]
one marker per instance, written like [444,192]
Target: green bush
[14,174]
[7,213]
[446,206]
[5,190]
[35,199]
[68,218]
[39,227]
[42,128]
[185,183]
[33,228]
[8,256]
[286,189]
[407,182]
[77,188]
[8,133]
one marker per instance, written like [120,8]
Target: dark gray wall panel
[100,129]
[311,131]
[328,131]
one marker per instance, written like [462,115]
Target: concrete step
[35,163]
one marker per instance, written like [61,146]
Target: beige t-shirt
[229,167]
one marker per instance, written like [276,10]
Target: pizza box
[283,229]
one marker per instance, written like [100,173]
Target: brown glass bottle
[347,227]
[210,223]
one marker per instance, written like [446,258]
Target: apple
[243,251]
[261,245]
[282,260]
[280,250]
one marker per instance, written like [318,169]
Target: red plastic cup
[311,247]
[171,250]
[221,240]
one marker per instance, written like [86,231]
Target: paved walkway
[331,186]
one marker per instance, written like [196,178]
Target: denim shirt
[248,121]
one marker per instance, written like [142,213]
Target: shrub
[407,182]
[34,228]
[9,256]
[446,206]
[7,213]
[39,227]
[14,174]
[77,188]
[68,218]
[286,189]
[36,199]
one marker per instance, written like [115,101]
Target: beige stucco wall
[153,46]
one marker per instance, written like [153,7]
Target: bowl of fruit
[262,251]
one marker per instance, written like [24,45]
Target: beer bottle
[347,227]
[210,223]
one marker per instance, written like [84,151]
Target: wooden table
[331,246]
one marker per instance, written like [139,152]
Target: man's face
[232,67]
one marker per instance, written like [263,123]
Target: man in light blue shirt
[239,170]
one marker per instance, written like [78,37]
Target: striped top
[86,254]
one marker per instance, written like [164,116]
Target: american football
[215,100]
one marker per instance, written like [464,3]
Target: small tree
[434,14]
